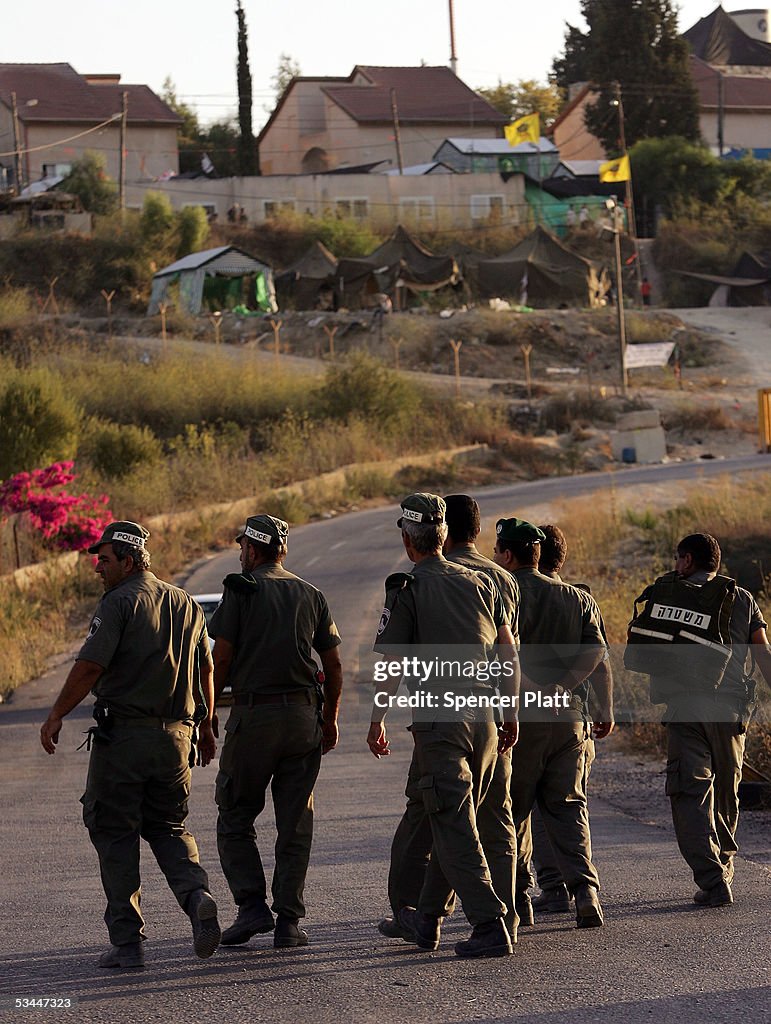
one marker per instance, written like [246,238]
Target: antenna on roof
[453,55]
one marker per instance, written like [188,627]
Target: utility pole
[720,112]
[453,55]
[16,144]
[122,160]
[619,295]
[628,196]
[397,136]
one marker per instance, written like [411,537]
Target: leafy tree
[287,69]
[88,181]
[193,229]
[189,129]
[573,65]
[525,97]
[247,152]
[634,43]
[38,422]
[221,141]
[157,226]
[680,179]
[671,172]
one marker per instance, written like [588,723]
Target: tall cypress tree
[247,154]
[635,43]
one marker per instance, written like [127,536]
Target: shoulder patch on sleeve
[399,580]
[96,622]
[385,616]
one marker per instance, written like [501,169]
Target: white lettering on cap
[129,538]
[263,538]
[416,517]
[499,528]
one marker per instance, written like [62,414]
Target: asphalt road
[658,957]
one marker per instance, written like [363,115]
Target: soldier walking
[146,658]
[560,646]
[266,628]
[439,604]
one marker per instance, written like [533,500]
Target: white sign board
[656,354]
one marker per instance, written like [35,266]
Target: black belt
[293,697]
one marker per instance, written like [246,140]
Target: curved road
[658,958]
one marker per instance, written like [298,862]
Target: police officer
[706,734]
[554,897]
[560,646]
[146,658]
[411,846]
[442,603]
[266,628]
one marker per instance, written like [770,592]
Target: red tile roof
[740,92]
[423,94]
[56,92]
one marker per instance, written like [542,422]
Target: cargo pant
[456,761]
[279,746]
[704,769]
[544,861]
[549,767]
[412,842]
[138,786]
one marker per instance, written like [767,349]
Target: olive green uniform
[551,760]
[544,861]
[411,845]
[145,634]
[275,621]
[705,752]
[444,603]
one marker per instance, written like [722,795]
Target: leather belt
[249,700]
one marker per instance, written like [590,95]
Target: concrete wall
[436,200]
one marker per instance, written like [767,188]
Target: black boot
[488,939]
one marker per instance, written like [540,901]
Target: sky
[194,41]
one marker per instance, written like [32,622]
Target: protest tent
[309,282]
[219,278]
[539,271]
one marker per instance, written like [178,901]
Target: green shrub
[88,181]
[16,307]
[114,450]
[38,422]
[193,228]
[364,387]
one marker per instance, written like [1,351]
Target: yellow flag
[616,170]
[526,129]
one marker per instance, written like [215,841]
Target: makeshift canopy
[401,261]
[539,271]
[309,282]
[749,285]
[419,269]
[218,276]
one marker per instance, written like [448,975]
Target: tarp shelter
[217,276]
[540,271]
[357,282]
[419,268]
[749,285]
[309,282]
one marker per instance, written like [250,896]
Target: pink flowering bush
[68,522]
